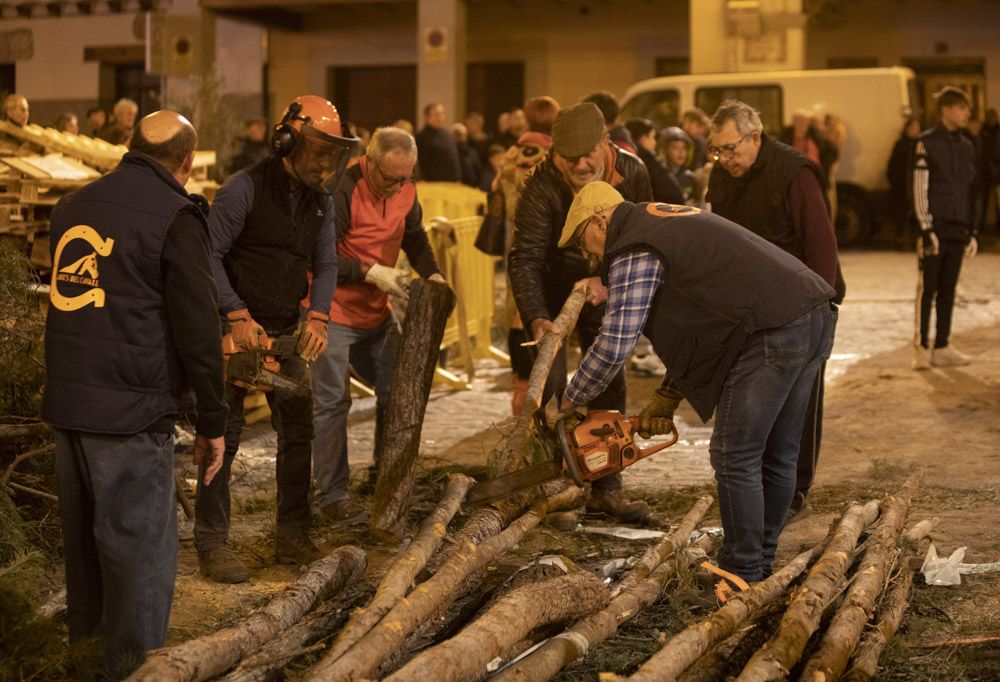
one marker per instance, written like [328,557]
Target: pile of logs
[862,588]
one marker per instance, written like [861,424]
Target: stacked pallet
[39,165]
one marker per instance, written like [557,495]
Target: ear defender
[283,136]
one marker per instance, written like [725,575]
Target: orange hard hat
[316,113]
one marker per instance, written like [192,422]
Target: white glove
[438,277]
[972,248]
[390,280]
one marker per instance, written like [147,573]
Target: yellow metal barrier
[450,200]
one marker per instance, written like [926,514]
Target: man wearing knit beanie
[542,274]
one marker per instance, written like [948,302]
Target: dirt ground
[883,422]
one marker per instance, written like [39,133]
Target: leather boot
[296,548]
[614,504]
[222,566]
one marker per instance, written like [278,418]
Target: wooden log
[305,636]
[44,450]
[843,633]
[398,434]
[774,660]
[404,570]
[363,659]
[214,654]
[653,556]
[560,651]
[683,649]
[13,432]
[508,621]
[864,665]
[510,455]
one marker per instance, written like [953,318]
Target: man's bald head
[166,136]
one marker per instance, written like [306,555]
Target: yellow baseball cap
[593,198]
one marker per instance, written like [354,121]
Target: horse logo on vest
[82,271]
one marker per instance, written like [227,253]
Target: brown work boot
[341,510]
[614,504]
[565,520]
[296,548]
[221,565]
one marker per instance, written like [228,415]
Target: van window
[660,106]
[764,98]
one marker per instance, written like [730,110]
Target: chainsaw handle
[568,459]
[653,449]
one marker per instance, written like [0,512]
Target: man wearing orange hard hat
[270,225]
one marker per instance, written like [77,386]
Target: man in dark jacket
[270,225]
[777,193]
[743,328]
[132,321]
[946,201]
[542,274]
[439,160]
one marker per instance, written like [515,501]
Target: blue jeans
[372,353]
[758,427]
[119,524]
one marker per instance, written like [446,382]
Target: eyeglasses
[390,180]
[726,151]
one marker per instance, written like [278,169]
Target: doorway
[374,96]
[492,88]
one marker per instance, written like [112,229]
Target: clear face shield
[320,159]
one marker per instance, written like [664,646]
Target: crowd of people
[116,128]
[711,242]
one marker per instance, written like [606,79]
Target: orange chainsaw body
[603,444]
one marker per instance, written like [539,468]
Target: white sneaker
[948,357]
[921,358]
[649,364]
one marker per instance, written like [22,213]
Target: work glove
[658,416]
[390,280]
[571,415]
[928,244]
[312,339]
[972,248]
[246,333]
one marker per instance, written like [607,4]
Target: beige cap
[593,198]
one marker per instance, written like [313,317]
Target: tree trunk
[427,312]
[267,663]
[782,651]
[844,631]
[465,656]
[653,556]
[398,580]
[364,657]
[510,455]
[214,654]
[560,651]
[686,647]
[864,665]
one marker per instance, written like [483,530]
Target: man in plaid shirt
[742,327]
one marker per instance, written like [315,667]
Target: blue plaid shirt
[632,283]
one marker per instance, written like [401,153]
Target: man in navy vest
[742,327]
[777,192]
[272,224]
[132,321]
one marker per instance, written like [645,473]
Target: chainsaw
[260,368]
[601,444]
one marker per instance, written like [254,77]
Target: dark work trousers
[292,419]
[812,437]
[939,277]
[613,397]
[119,523]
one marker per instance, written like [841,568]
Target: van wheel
[853,224]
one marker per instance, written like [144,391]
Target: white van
[873,103]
